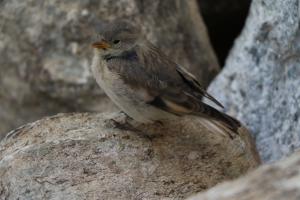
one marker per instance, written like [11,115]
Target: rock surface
[279,181]
[85,156]
[45,51]
[260,82]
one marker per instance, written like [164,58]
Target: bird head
[115,38]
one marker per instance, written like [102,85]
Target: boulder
[260,81]
[99,156]
[278,181]
[45,51]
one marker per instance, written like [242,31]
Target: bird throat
[126,55]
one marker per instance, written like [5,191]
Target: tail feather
[218,127]
[225,119]
[232,123]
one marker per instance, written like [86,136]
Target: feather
[192,81]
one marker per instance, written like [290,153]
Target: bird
[145,83]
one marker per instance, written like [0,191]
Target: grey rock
[45,51]
[279,181]
[87,156]
[260,82]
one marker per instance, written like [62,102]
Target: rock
[86,156]
[278,181]
[260,82]
[45,51]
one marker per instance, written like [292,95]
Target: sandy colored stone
[86,156]
[277,181]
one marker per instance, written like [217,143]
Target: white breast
[108,81]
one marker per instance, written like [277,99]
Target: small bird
[145,83]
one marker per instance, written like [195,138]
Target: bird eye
[116,41]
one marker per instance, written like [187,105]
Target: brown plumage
[149,79]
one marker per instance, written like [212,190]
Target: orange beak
[101,45]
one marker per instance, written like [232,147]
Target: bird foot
[159,124]
[122,122]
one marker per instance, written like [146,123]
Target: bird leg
[122,122]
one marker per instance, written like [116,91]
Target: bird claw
[122,123]
[159,123]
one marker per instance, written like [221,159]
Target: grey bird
[145,83]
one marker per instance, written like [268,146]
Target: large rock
[260,83]
[279,181]
[45,51]
[86,156]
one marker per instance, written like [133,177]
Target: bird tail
[220,120]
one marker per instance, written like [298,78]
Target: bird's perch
[77,156]
[278,181]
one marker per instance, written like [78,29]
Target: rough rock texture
[45,51]
[84,156]
[260,82]
[279,181]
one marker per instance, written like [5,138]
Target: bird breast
[109,81]
[121,94]
[131,100]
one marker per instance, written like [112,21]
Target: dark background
[224,21]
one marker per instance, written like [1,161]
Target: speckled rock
[86,156]
[279,181]
[45,51]
[260,82]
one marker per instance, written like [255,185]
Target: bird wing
[193,83]
[161,88]
[167,85]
